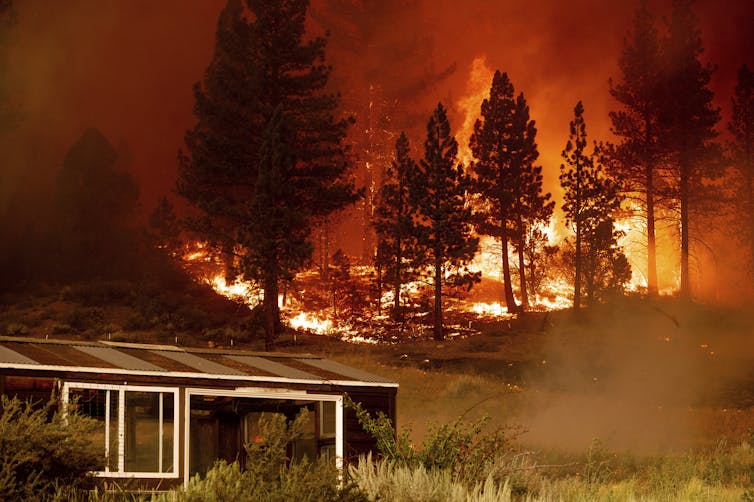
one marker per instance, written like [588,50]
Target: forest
[354,176]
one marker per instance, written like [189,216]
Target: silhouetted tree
[264,69]
[385,68]
[637,159]
[443,223]
[531,205]
[506,180]
[742,128]
[690,119]
[589,202]
[96,203]
[394,222]
[164,226]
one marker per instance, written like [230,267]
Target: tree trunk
[438,330]
[684,169]
[271,309]
[577,267]
[510,301]
[397,314]
[521,265]
[652,282]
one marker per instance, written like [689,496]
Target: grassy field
[636,400]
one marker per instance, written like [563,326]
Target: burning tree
[506,179]
[266,150]
[590,200]
[394,223]
[443,223]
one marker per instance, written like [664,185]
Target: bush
[16,329]
[40,457]
[466,449]
[270,476]
[99,292]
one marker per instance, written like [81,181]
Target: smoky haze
[644,376]
[128,67]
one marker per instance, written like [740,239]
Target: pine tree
[443,223]
[506,179]
[637,159]
[590,200]
[238,159]
[742,128]
[387,69]
[393,222]
[531,205]
[164,226]
[690,119]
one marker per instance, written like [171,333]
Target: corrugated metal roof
[118,358]
[198,363]
[178,362]
[11,356]
[273,367]
[342,369]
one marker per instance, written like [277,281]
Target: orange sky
[128,66]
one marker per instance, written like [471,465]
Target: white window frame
[263,393]
[121,394]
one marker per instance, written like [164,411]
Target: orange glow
[477,90]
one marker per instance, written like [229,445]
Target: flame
[477,90]
[310,322]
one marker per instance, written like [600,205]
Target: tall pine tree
[443,223]
[742,128]
[637,159]
[531,206]
[590,201]
[690,118]
[394,222]
[506,179]
[238,160]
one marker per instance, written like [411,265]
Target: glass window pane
[327,422]
[142,432]
[168,410]
[91,403]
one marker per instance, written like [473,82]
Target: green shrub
[40,457]
[16,329]
[270,475]
[81,319]
[467,450]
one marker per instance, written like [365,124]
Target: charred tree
[637,159]
[742,128]
[263,112]
[690,119]
[394,223]
[443,222]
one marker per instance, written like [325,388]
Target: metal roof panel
[118,358]
[273,367]
[347,371]
[11,356]
[198,363]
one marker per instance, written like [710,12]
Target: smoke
[128,68]
[638,375]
